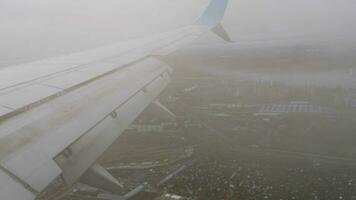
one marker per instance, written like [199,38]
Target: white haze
[33,29]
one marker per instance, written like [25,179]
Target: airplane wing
[58,115]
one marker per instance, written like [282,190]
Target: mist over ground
[325,63]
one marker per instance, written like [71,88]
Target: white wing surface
[57,116]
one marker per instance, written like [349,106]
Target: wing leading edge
[57,116]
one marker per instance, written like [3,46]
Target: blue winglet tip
[214,13]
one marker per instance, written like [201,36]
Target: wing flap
[84,153]
[12,189]
[75,119]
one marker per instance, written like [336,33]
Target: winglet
[213,16]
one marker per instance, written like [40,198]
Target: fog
[294,62]
[271,115]
[34,29]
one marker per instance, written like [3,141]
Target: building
[292,107]
[168,196]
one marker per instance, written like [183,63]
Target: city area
[234,139]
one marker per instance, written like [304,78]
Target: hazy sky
[40,28]
[31,29]
[268,19]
